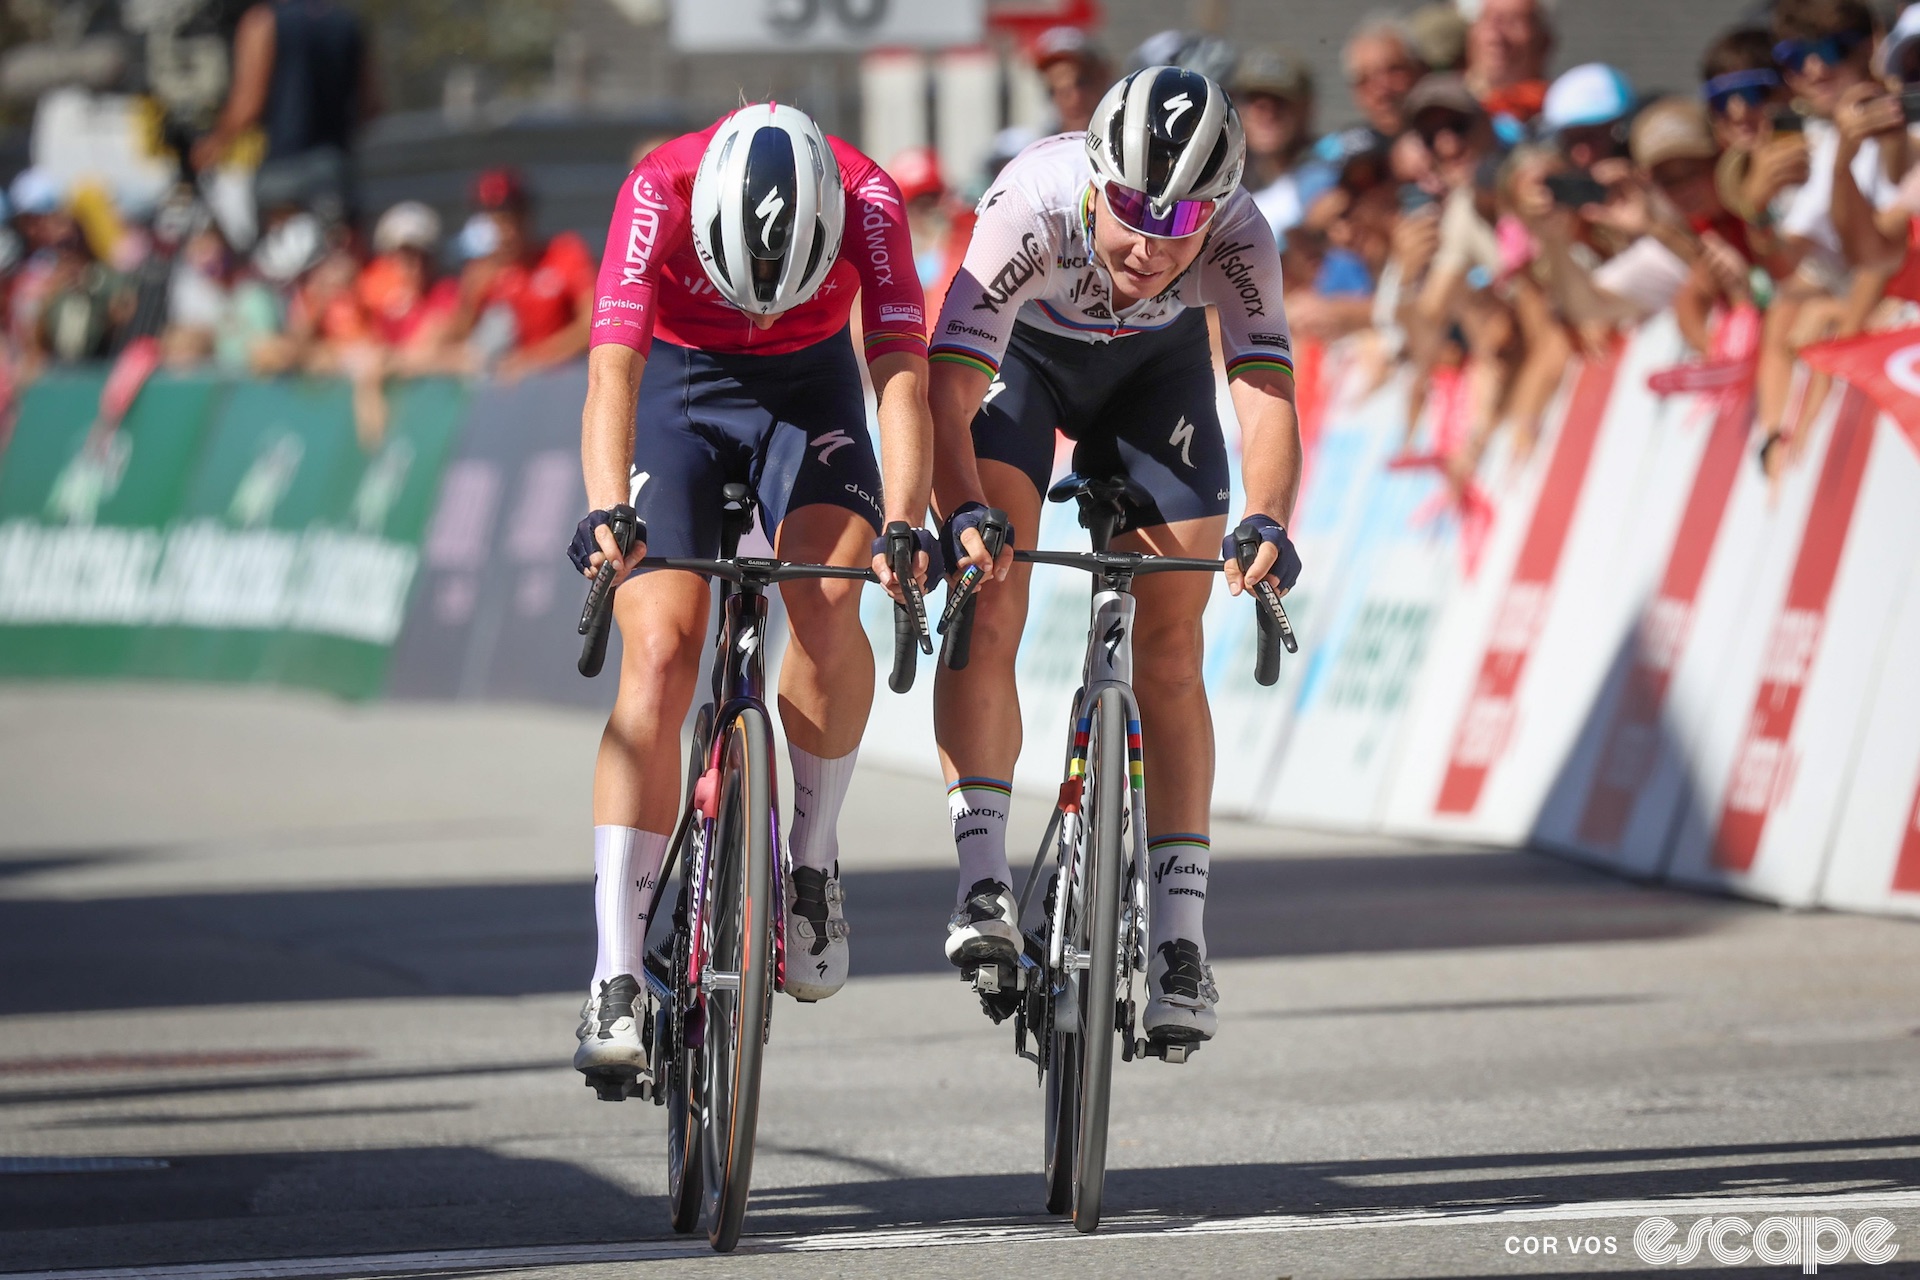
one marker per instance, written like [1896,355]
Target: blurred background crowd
[303,186]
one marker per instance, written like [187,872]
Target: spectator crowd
[1483,222]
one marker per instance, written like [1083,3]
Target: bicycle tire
[739,917]
[684,1185]
[1109,788]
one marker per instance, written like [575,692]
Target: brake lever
[900,550]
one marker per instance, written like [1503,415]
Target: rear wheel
[738,923]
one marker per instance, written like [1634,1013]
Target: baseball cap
[408,225]
[917,171]
[1672,129]
[1273,70]
[1592,93]
[1443,89]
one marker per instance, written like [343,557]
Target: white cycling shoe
[609,1032]
[816,934]
[984,929]
[1181,1010]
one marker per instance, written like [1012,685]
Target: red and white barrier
[1632,647]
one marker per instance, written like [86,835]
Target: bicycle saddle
[1118,493]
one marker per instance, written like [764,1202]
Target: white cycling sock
[978,807]
[819,789]
[626,862]
[1179,866]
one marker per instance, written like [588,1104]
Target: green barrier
[225,532]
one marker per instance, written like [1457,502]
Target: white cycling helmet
[768,209]
[1172,137]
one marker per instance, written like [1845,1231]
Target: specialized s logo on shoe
[829,443]
[1183,437]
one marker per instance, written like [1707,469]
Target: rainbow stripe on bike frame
[1136,756]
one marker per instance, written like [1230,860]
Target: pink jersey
[651,280]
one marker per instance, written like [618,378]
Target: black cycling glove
[584,544]
[968,515]
[923,540]
[1287,567]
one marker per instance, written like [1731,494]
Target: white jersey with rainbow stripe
[1030,260]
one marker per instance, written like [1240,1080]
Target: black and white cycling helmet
[1166,149]
[768,208]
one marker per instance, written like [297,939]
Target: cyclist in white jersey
[1080,308]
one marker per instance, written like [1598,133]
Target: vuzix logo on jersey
[1020,268]
[642,231]
[1229,257]
[1270,340]
[901,313]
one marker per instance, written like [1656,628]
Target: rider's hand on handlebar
[1276,562]
[925,569]
[594,544]
[966,548]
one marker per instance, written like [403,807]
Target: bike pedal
[612,1087]
[1174,1051]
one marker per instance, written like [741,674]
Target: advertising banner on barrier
[1874,864]
[223,532]
[1793,678]
[498,601]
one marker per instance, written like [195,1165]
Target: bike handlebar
[956,624]
[909,619]
[596,619]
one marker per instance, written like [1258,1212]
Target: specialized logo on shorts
[994,388]
[636,478]
[833,440]
[1183,437]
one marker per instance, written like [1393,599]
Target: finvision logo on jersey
[1018,269]
[1239,273]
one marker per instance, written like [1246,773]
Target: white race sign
[711,26]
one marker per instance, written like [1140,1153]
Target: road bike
[710,980]
[1072,987]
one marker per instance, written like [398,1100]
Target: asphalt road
[285,979]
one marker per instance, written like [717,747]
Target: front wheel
[1080,1067]
[738,924]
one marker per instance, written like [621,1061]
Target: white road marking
[1121,1228]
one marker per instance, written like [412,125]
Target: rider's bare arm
[606,438]
[906,445]
[1269,456]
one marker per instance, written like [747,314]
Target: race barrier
[221,531]
[1628,645]
[1631,646]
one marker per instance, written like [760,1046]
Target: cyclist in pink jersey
[720,353]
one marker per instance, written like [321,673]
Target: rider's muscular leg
[1175,721]
[636,782]
[663,621]
[826,678]
[976,711]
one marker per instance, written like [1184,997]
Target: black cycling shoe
[1183,995]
